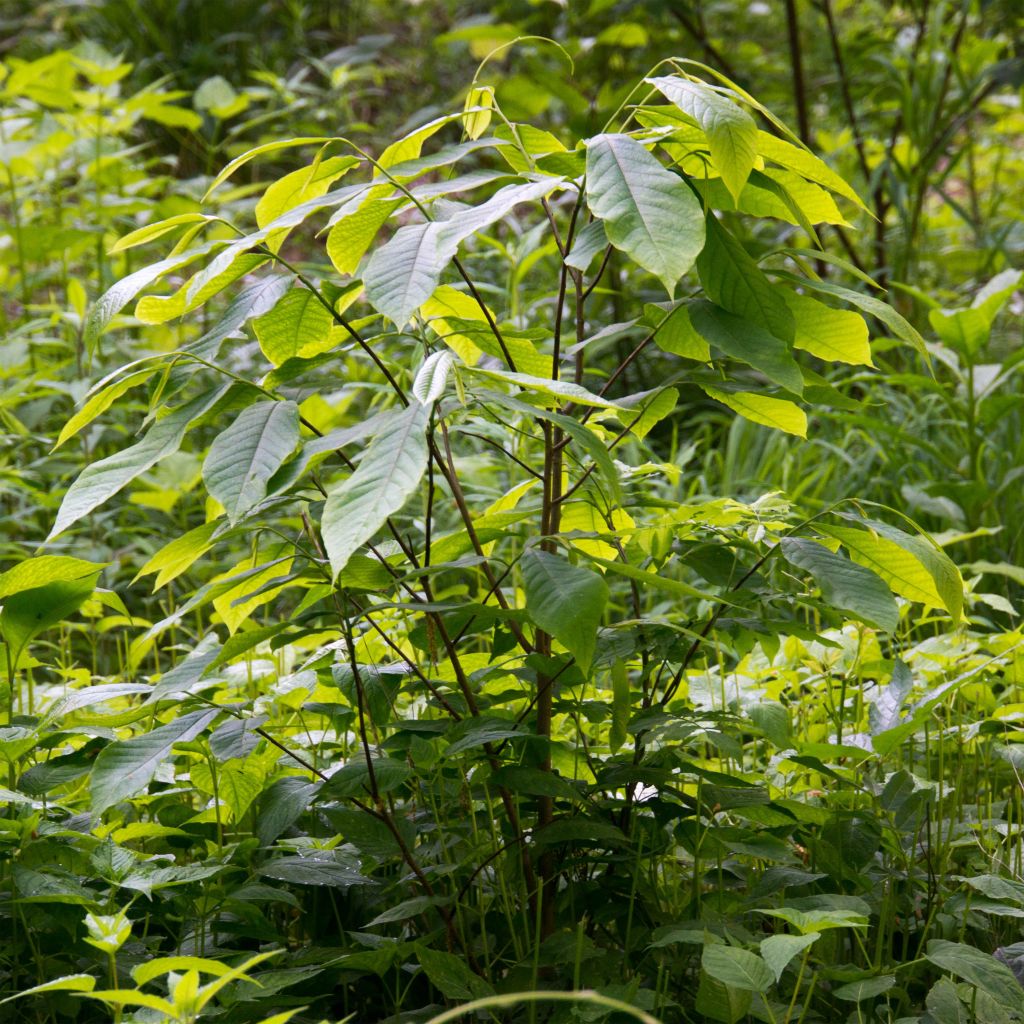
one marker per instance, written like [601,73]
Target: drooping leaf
[778,950]
[123,769]
[769,412]
[845,584]
[388,474]
[648,212]
[565,600]
[243,459]
[101,480]
[748,342]
[731,132]
[732,280]
[737,968]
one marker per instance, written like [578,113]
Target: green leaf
[68,983]
[249,453]
[732,280]
[737,968]
[250,154]
[731,132]
[778,413]
[150,232]
[845,584]
[806,164]
[980,969]
[101,480]
[748,342]
[565,600]
[98,403]
[352,234]
[833,334]
[868,303]
[389,473]
[778,950]
[945,1005]
[30,612]
[125,768]
[621,705]
[721,1002]
[865,988]
[648,212]
[404,272]
[676,334]
[178,555]
[45,569]
[911,566]
[318,870]
[299,325]
[451,975]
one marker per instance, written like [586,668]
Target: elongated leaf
[748,342]
[124,769]
[731,132]
[299,325]
[845,584]
[389,473]
[103,400]
[249,453]
[250,154]
[735,282]
[980,969]
[150,232]
[43,570]
[648,212]
[432,377]
[566,601]
[351,235]
[769,412]
[778,950]
[102,480]
[737,968]
[68,983]
[834,334]
[403,273]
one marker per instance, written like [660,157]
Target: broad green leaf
[676,334]
[806,164]
[845,584]
[732,280]
[250,154]
[350,236]
[432,377]
[178,555]
[120,294]
[390,471]
[477,108]
[32,573]
[978,968]
[731,132]
[243,459]
[68,983]
[259,582]
[558,390]
[621,706]
[230,265]
[404,272]
[28,613]
[648,212]
[721,1002]
[913,570]
[778,950]
[299,325]
[296,187]
[451,975]
[995,293]
[944,1004]
[865,988]
[965,330]
[101,480]
[833,334]
[125,768]
[565,600]
[748,342]
[161,965]
[737,968]
[587,244]
[157,229]
[319,870]
[102,400]
[779,413]
[868,303]
[653,409]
